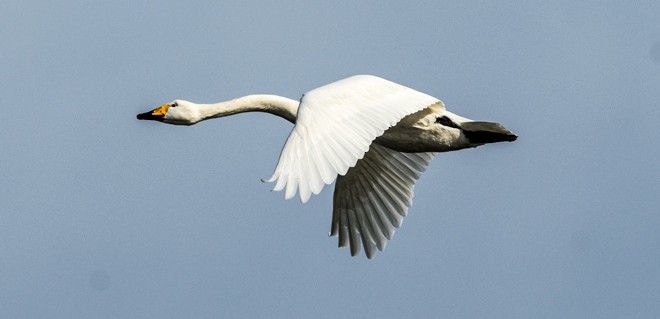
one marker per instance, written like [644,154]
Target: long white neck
[274,104]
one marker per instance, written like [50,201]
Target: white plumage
[376,135]
[373,197]
[335,125]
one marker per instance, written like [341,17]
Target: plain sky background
[105,216]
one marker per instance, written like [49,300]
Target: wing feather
[378,220]
[353,230]
[378,237]
[343,224]
[365,230]
[379,191]
[335,125]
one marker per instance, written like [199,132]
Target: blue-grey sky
[104,216]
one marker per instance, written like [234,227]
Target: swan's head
[177,112]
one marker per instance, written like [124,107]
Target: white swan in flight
[374,136]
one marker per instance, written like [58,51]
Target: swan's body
[374,136]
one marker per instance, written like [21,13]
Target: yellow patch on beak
[161,111]
[157,114]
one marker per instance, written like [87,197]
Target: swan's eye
[446,122]
[175,104]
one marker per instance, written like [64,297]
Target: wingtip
[268,180]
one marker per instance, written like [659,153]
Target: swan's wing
[335,126]
[371,200]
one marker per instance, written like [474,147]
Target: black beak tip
[145,116]
[512,137]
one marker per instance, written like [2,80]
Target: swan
[373,136]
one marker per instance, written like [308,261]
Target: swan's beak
[487,132]
[156,114]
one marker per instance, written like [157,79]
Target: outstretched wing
[335,126]
[372,199]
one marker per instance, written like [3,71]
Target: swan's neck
[277,105]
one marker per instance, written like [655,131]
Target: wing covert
[335,126]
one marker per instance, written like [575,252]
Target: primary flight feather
[374,136]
